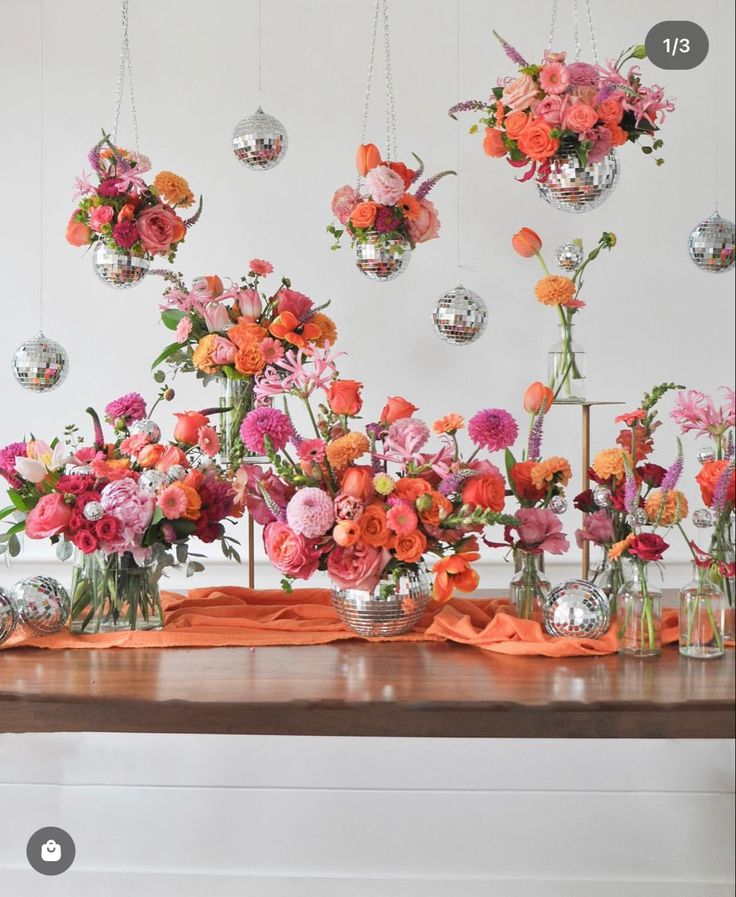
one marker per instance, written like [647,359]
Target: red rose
[648,547]
[651,474]
[521,481]
[107,529]
[85,541]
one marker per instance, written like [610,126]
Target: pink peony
[183,330]
[426,226]
[125,234]
[123,500]
[520,93]
[100,216]
[541,530]
[50,517]
[159,227]
[260,267]
[128,408]
[597,528]
[343,203]
[266,422]
[297,303]
[249,303]
[385,186]
[358,566]
[224,351]
[290,552]
[493,429]
[553,78]
[310,512]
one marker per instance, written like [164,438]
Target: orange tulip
[188,425]
[456,572]
[367,157]
[526,242]
[537,395]
[284,327]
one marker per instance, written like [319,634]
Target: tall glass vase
[722,548]
[701,616]
[566,367]
[609,576]
[530,587]
[639,614]
[236,400]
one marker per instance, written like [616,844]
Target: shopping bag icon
[51,852]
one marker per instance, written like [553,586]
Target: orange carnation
[410,488]
[202,355]
[347,448]
[554,470]
[174,189]
[364,214]
[327,330]
[555,290]
[373,526]
[609,464]
[410,548]
[666,508]
[249,359]
[245,332]
[450,423]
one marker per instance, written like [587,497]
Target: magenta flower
[386,220]
[129,408]
[493,429]
[125,234]
[541,530]
[266,422]
[7,462]
[311,512]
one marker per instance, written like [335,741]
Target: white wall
[651,315]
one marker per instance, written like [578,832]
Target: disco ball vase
[577,609]
[382,262]
[8,616]
[42,604]
[117,269]
[260,141]
[40,364]
[460,316]
[711,244]
[569,256]
[573,187]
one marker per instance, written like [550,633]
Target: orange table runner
[233,616]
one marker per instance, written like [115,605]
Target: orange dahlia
[555,290]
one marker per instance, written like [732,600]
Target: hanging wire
[552,26]
[457,138]
[591,31]
[371,66]
[125,69]
[42,179]
[576,29]
[717,93]
[391,148]
[260,48]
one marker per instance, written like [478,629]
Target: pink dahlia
[266,422]
[493,429]
[128,408]
[582,74]
[310,512]
[554,78]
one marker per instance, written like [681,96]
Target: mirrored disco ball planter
[711,244]
[393,607]
[118,269]
[42,604]
[382,262]
[7,616]
[577,609]
[460,316]
[260,141]
[573,187]
[40,364]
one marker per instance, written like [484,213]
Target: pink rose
[426,226]
[249,303]
[541,529]
[50,517]
[580,117]
[520,93]
[216,318]
[357,566]
[159,227]
[100,216]
[289,552]
[384,185]
[224,351]
[297,303]
[343,203]
[597,528]
[551,109]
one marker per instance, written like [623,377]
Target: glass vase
[530,587]
[722,548]
[639,614]
[566,367]
[113,592]
[236,400]
[609,576]
[701,616]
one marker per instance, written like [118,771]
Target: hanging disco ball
[117,269]
[711,244]
[573,187]
[40,364]
[260,141]
[380,261]
[7,616]
[460,316]
[42,604]
[569,256]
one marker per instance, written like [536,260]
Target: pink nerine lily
[82,186]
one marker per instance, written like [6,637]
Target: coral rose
[526,242]
[249,360]
[366,158]
[78,234]
[409,489]
[515,123]
[536,396]
[358,482]
[536,141]
[580,117]
[343,397]
[487,492]
[290,552]
[396,408]
[346,533]
[364,214]
[100,216]
[50,517]
[710,473]
[521,479]
[411,547]
[493,144]
[426,225]
[159,227]
[611,111]
[188,425]
[373,525]
[520,93]
[358,566]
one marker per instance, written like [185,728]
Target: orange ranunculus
[245,332]
[410,206]
[536,396]
[396,408]
[618,135]
[456,572]
[407,175]
[346,533]
[358,482]
[410,488]
[249,359]
[78,234]
[666,508]
[515,123]
[327,330]
[487,492]
[410,548]
[493,144]
[194,502]
[450,423]
[521,481]
[127,212]
[433,508]
[553,289]
[367,157]
[364,214]
[536,141]
[343,397]
[149,455]
[188,425]
[373,526]
[526,242]
[708,478]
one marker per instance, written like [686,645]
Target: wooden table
[358,688]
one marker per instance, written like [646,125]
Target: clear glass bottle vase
[639,614]
[529,587]
[701,616]
[566,367]
[236,400]
[609,576]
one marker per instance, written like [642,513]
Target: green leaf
[6,512]
[170,350]
[20,503]
[14,546]
[171,317]
[159,376]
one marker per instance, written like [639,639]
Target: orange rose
[373,527]
[410,548]
[493,144]
[343,397]
[346,533]
[537,395]
[410,488]
[364,214]
[515,123]
[618,135]
[194,502]
[249,359]
[246,332]
[521,478]
[77,234]
[434,507]
[611,111]
[396,408]
[366,158]
[487,491]
[708,478]
[580,117]
[526,242]
[537,142]
[188,425]
[358,482]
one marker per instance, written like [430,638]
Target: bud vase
[639,614]
[609,576]
[566,367]
[236,400]
[113,592]
[530,587]
[701,615]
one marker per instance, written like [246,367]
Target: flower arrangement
[125,505]
[566,373]
[123,211]
[557,105]
[383,210]
[237,335]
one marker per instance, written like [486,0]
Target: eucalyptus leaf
[64,550]
[14,546]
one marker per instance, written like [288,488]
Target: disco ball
[558,504]
[42,604]
[711,244]
[638,517]
[576,609]
[40,364]
[380,261]
[602,496]
[146,427]
[260,141]
[707,453]
[119,269]
[460,316]
[572,187]
[151,481]
[569,256]
[8,616]
[703,518]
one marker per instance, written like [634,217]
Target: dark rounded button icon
[51,850]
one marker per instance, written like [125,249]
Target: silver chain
[125,70]
[591,31]
[369,82]
[391,145]
[552,26]
[576,29]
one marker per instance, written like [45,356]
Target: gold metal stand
[251,553]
